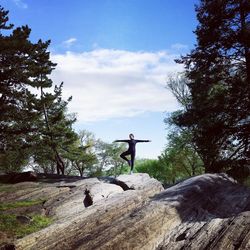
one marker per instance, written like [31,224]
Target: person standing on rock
[131,150]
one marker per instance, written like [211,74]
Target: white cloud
[179,46]
[108,83]
[20,4]
[68,43]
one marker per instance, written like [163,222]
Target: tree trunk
[81,172]
[59,162]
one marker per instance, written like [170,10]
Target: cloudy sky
[114,57]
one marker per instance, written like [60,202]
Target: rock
[137,180]
[73,228]
[210,211]
[103,190]
[23,219]
[76,201]
[217,233]
[6,241]
[70,201]
[213,213]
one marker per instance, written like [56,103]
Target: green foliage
[10,225]
[182,153]
[56,129]
[153,168]
[16,101]
[109,160]
[218,77]
[178,161]
[178,84]
[30,125]
[81,153]
[13,160]
[16,204]
[117,169]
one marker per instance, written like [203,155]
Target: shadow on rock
[208,196]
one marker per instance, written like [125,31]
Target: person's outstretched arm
[143,141]
[121,140]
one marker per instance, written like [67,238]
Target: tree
[182,154]
[218,73]
[56,133]
[116,164]
[17,103]
[81,153]
[178,85]
[153,168]
[178,161]
[109,160]
[29,125]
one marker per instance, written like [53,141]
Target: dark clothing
[131,144]
[130,162]
[131,151]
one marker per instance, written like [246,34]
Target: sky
[114,57]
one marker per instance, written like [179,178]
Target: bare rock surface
[139,182]
[210,211]
[214,212]
[74,220]
[74,201]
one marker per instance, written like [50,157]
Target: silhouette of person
[131,151]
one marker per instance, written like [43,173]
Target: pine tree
[30,123]
[218,70]
[56,135]
[16,100]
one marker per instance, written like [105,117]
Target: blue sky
[114,57]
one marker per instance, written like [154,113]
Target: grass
[17,204]
[11,226]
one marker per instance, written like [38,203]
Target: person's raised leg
[123,156]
